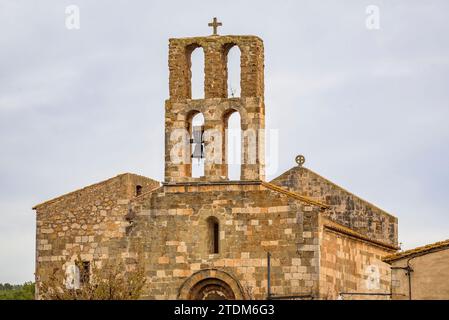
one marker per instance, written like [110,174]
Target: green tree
[17,292]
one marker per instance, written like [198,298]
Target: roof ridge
[336,185]
[428,248]
[338,227]
[274,187]
[86,188]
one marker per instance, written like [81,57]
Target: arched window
[197,72]
[213,233]
[138,190]
[233,70]
[233,144]
[196,130]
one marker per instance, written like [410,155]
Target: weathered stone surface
[344,207]
[209,237]
[420,273]
[60,234]
[215,51]
[245,243]
[178,117]
[350,263]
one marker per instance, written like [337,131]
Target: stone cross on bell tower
[215,24]
[216,107]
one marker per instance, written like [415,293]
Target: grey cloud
[367,108]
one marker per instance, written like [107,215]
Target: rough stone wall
[215,112]
[216,107]
[345,208]
[428,278]
[349,264]
[90,222]
[216,49]
[171,225]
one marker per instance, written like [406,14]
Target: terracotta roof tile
[419,250]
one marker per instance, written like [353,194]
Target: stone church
[299,236]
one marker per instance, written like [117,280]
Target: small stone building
[208,237]
[421,273]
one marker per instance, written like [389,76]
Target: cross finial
[215,24]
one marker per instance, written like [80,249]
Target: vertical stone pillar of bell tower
[215,106]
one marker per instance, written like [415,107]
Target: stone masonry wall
[216,49]
[90,221]
[428,278]
[345,208]
[351,265]
[215,111]
[170,224]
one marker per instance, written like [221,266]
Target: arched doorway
[211,284]
[211,289]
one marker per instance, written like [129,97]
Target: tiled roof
[337,227]
[419,250]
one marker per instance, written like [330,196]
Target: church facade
[297,236]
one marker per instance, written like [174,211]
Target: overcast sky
[368,108]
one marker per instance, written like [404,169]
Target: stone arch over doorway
[211,284]
[211,289]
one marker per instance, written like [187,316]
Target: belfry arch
[215,65]
[232,63]
[216,105]
[232,144]
[195,61]
[196,146]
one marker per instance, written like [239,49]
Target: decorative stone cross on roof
[215,24]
